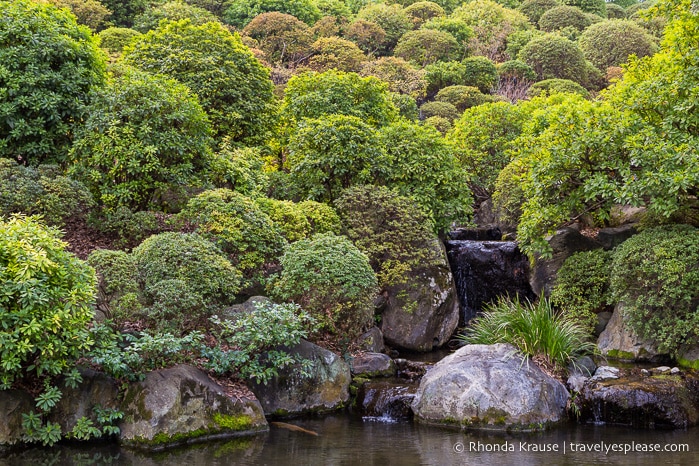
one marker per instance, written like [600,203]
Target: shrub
[129,227]
[124,11]
[34,191]
[534,9]
[333,8]
[322,217]
[191,259]
[49,65]
[239,227]
[427,46]
[240,12]
[562,17]
[610,43]
[480,72]
[174,307]
[392,19]
[553,56]
[91,13]
[656,275]
[462,97]
[283,38]
[552,86]
[171,11]
[46,297]
[516,70]
[330,279]
[239,169]
[615,11]
[335,53]
[367,35]
[118,289]
[508,193]
[441,124]
[597,7]
[444,110]
[536,330]
[421,12]
[145,139]
[114,39]
[517,40]
[407,106]
[442,74]
[232,85]
[287,216]
[582,287]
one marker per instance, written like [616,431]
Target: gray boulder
[489,387]
[619,341]
[610,238]
[373,365]
[422,313]
[290,393]
[13,403]
[247,307]
[372,341]
[182,405]
[564,243]
[688,357]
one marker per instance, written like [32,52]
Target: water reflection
[346,440]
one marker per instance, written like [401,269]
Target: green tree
[443,74]
[333,53]
[392,19]
[401,76]
[174,10]
[232,85]
[563,17]
[124,11]
[330,154]
[426,46]
[553,56]
[146,137]
[609,43]
[48,66]
[462,97]
[459,29]
[91,13]
[445,110]
[282,37]
[534,9]
[114,39]
[480,72]
[421,12]
[240,12]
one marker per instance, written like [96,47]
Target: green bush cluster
[331,280]
[610,43]
[562,17]
[462,97]
[554,85]
[114,39]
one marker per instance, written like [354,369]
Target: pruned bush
[656,275]
[610,43]
[480,72]
[421,12]
[615,11]
[427,46]
[553,86]
[597,7]
[91,13]
[322,217]
[462,97]
[553,56]
[392,19]
[241,12]
[407,106]
[459,29]
[581,290]
[333,53]
[439,123]
[287,216]
[442,74]
[445,110]
[516,70]
[119,294]
[239,169]
[330,279]
[562,17]
[283,38]
[534,9]
[46,297]
[367,35]
[171,11]
[114,39]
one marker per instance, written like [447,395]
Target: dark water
[347,440]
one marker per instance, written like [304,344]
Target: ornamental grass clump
[536,329]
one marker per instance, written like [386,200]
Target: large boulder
[564,243]
[291,393]
[181,405]
[13,403]
[663,400]
[373,365]
[489,387]
[619,341]
[422,313]
[371,341]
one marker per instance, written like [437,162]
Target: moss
[688,363]
[623,355]
[233,422]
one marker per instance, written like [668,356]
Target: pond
[344,439]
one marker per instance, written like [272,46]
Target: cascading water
[484,270]
[386,400]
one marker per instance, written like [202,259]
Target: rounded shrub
[114,39]
[552,86]
[322,217]
[534,9]
[190,258]
[426,46]
[421,12]
[609,43]
[442,74]
[553,56]
[656,275]
[597,7]
[441,124]
[615,11]
[118,291]
[562,17]
[392,19]
[366,34]
[46,297]
[283,38]
[462,97]
[287,216]
[330,279]
[480,72]
[171,11]
[333,53]
[516,70]
[444,110]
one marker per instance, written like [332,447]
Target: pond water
[348,440]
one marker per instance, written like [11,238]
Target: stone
[576,382]
[371,341]
[583,365]
[605,373]
[610,238]
[245,308]
[619,341]
[422,313]
[386,399]
[182,405]
[13,403]
[603,319]
[654,401]
[564,243]
[97,390]
[626,214]
[688,357]
[489,387]
[373,365]
[291,393]
[661,370]
[675,370]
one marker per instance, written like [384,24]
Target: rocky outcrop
[373,365]
[422,313]
[182,405]
[609,238]
[291,393]
[13,403]
[387,399]
[372,341]
[564,243]
[489,387]
[619,341]
[666,399]
[688,356]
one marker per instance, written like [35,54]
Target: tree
[422,166]
[313,95]
[480,72]
[553,56]
[401,76]
[330,154]
[367,35]
[426,46]
[145,137]
[48,66]
[461,31]
[335,8]
[124,11]
[91,13]
[113,39]
[462,97]
[610,43]
[232,85]
[282,37]
[534,9]
[563,17]
[240,12]
[421,12]
[598,7]
[392,19]
[174,10]
[335,53]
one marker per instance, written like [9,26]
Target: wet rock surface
[373,365]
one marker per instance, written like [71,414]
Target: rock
[97,390]
[625,214]
[642,402]
[576,382]
[412,371]
[13,403]
[422,313]
[247,307]
[610,238]
[476,234]
[675,370]
[181,405]
[564,243]
[584,366]
[619,341]
[688,357]
[373,365]
[372,341]
[660,370]
[386,399]
[605,373]
[603,319]
[290,393]
[489,387]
